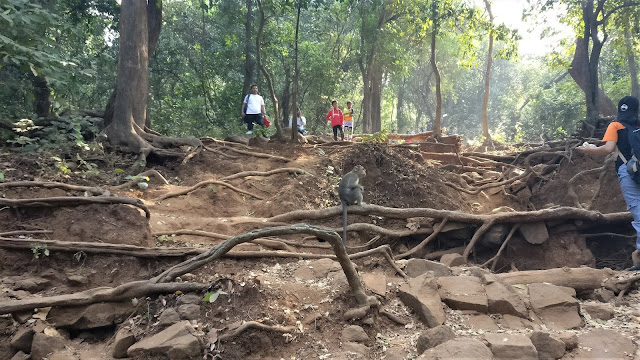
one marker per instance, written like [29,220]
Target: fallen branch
[203,183]
[584,278]
[73,201]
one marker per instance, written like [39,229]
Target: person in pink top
[337,119]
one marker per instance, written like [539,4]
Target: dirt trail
[313,294]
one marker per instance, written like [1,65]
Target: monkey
[350,192]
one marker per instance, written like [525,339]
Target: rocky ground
[301,306]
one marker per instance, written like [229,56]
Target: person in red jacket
[337,119]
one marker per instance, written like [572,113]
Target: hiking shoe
[249,132]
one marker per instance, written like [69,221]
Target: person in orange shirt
[348,122]
[337,119]
[617,138]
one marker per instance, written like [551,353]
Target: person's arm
[329,116]
[607,148]
[303,121]
[264,112]
[244,103]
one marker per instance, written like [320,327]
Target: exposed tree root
[256,154]
[394,318]
[496,257]
[571,185]
[226,143]
[56,185]
[424,242]
[126,291]
[192,232]
[73,201]
[224,155]
[204,183]
[295,171]
[161,283]
[258,326]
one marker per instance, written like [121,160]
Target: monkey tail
[344,223]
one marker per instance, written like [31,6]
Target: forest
[472,215]
[405,65]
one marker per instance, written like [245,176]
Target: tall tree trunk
[133,77]
[265,72]
[487,79]
[153,19]
[294,100]
[286,92]
[376,99]
[402,123]
[631,59]
[41,96]
[437,121]
[249,62]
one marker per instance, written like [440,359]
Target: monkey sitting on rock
[350,192]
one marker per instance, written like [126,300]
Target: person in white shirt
[253,110]
[301,122]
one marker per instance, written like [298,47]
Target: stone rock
[44,345]
[502,298]
[62,355]
[511,347]
[554,306]
[534,233]
[434,337]
[375,282]
[417,267]
[168,317]
[495,235]
[421,295]
[21,356]
[354,333]
[316,269]
[189,311]
[570,340]
[22,339]
[189,299]
[30,284]
[463,293]
[603,295]
[360,350]
[599,311]
[549,347]
[90,316]
[77,280]
[482,322]
[452,260]
[176,342]
[22,316]
[604,344]
[459,348]
[517,323]
[124,339]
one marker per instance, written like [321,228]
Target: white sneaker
[249,132]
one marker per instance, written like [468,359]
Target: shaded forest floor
[290,291]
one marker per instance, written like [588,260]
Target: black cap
[628,109]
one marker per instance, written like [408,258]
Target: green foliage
[66,134]
[39,250]
[211,297]
[380,137]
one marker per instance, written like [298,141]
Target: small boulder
[421,295]
[189,299]
[189,311]
[599,311]
[569,339]
[534,233]
[90,316]
[44,345]
[511,347]
[417,267]
[176,342]
[555,306]
[482,322]
[549,347]
[502,298]
[168,317]
[605,344]
[459,348]
[517,323]
[124,339]
[452,260]
[22,339]
[354,333]
[360,350]
[463,293]
[434,337]
[21,356]
[375,282]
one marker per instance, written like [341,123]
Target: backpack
[628,116]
